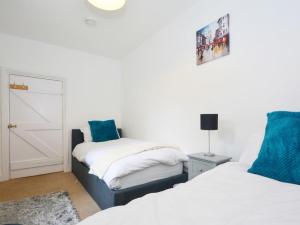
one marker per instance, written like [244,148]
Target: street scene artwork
[213,40]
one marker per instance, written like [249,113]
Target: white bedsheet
[93,154]
[226,195]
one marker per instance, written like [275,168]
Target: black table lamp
[209,122]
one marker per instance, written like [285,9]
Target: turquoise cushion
[279,157]
[103,130]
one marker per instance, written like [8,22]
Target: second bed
[130,177]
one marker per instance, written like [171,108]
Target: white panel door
[36,131]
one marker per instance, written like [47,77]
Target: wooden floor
[43,184]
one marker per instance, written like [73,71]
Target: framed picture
[212,41]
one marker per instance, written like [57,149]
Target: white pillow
[252,148]
[87,136]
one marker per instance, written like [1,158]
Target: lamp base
[208,154]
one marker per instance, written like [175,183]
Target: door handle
[11,126]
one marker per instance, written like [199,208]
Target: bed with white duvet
[125,162]
[117,171]
[226,195]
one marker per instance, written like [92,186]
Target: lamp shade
[209,121]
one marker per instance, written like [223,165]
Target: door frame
[4,112]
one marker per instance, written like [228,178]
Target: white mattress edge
[153,173]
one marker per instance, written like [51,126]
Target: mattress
[147,175]
[226,195]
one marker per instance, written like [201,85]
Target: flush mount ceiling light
[108,5]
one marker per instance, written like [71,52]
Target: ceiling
[61,22]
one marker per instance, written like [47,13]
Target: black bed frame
[103,195]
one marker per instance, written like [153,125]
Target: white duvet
[226,195]
[114,159]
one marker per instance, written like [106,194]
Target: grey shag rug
[51,209]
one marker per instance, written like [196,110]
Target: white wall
[93,82]
[164,91]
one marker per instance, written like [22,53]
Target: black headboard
[77,137]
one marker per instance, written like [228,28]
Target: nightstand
[199,163]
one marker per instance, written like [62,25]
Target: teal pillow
[279,157]
[103,130]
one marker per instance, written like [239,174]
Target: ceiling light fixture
[109,5]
